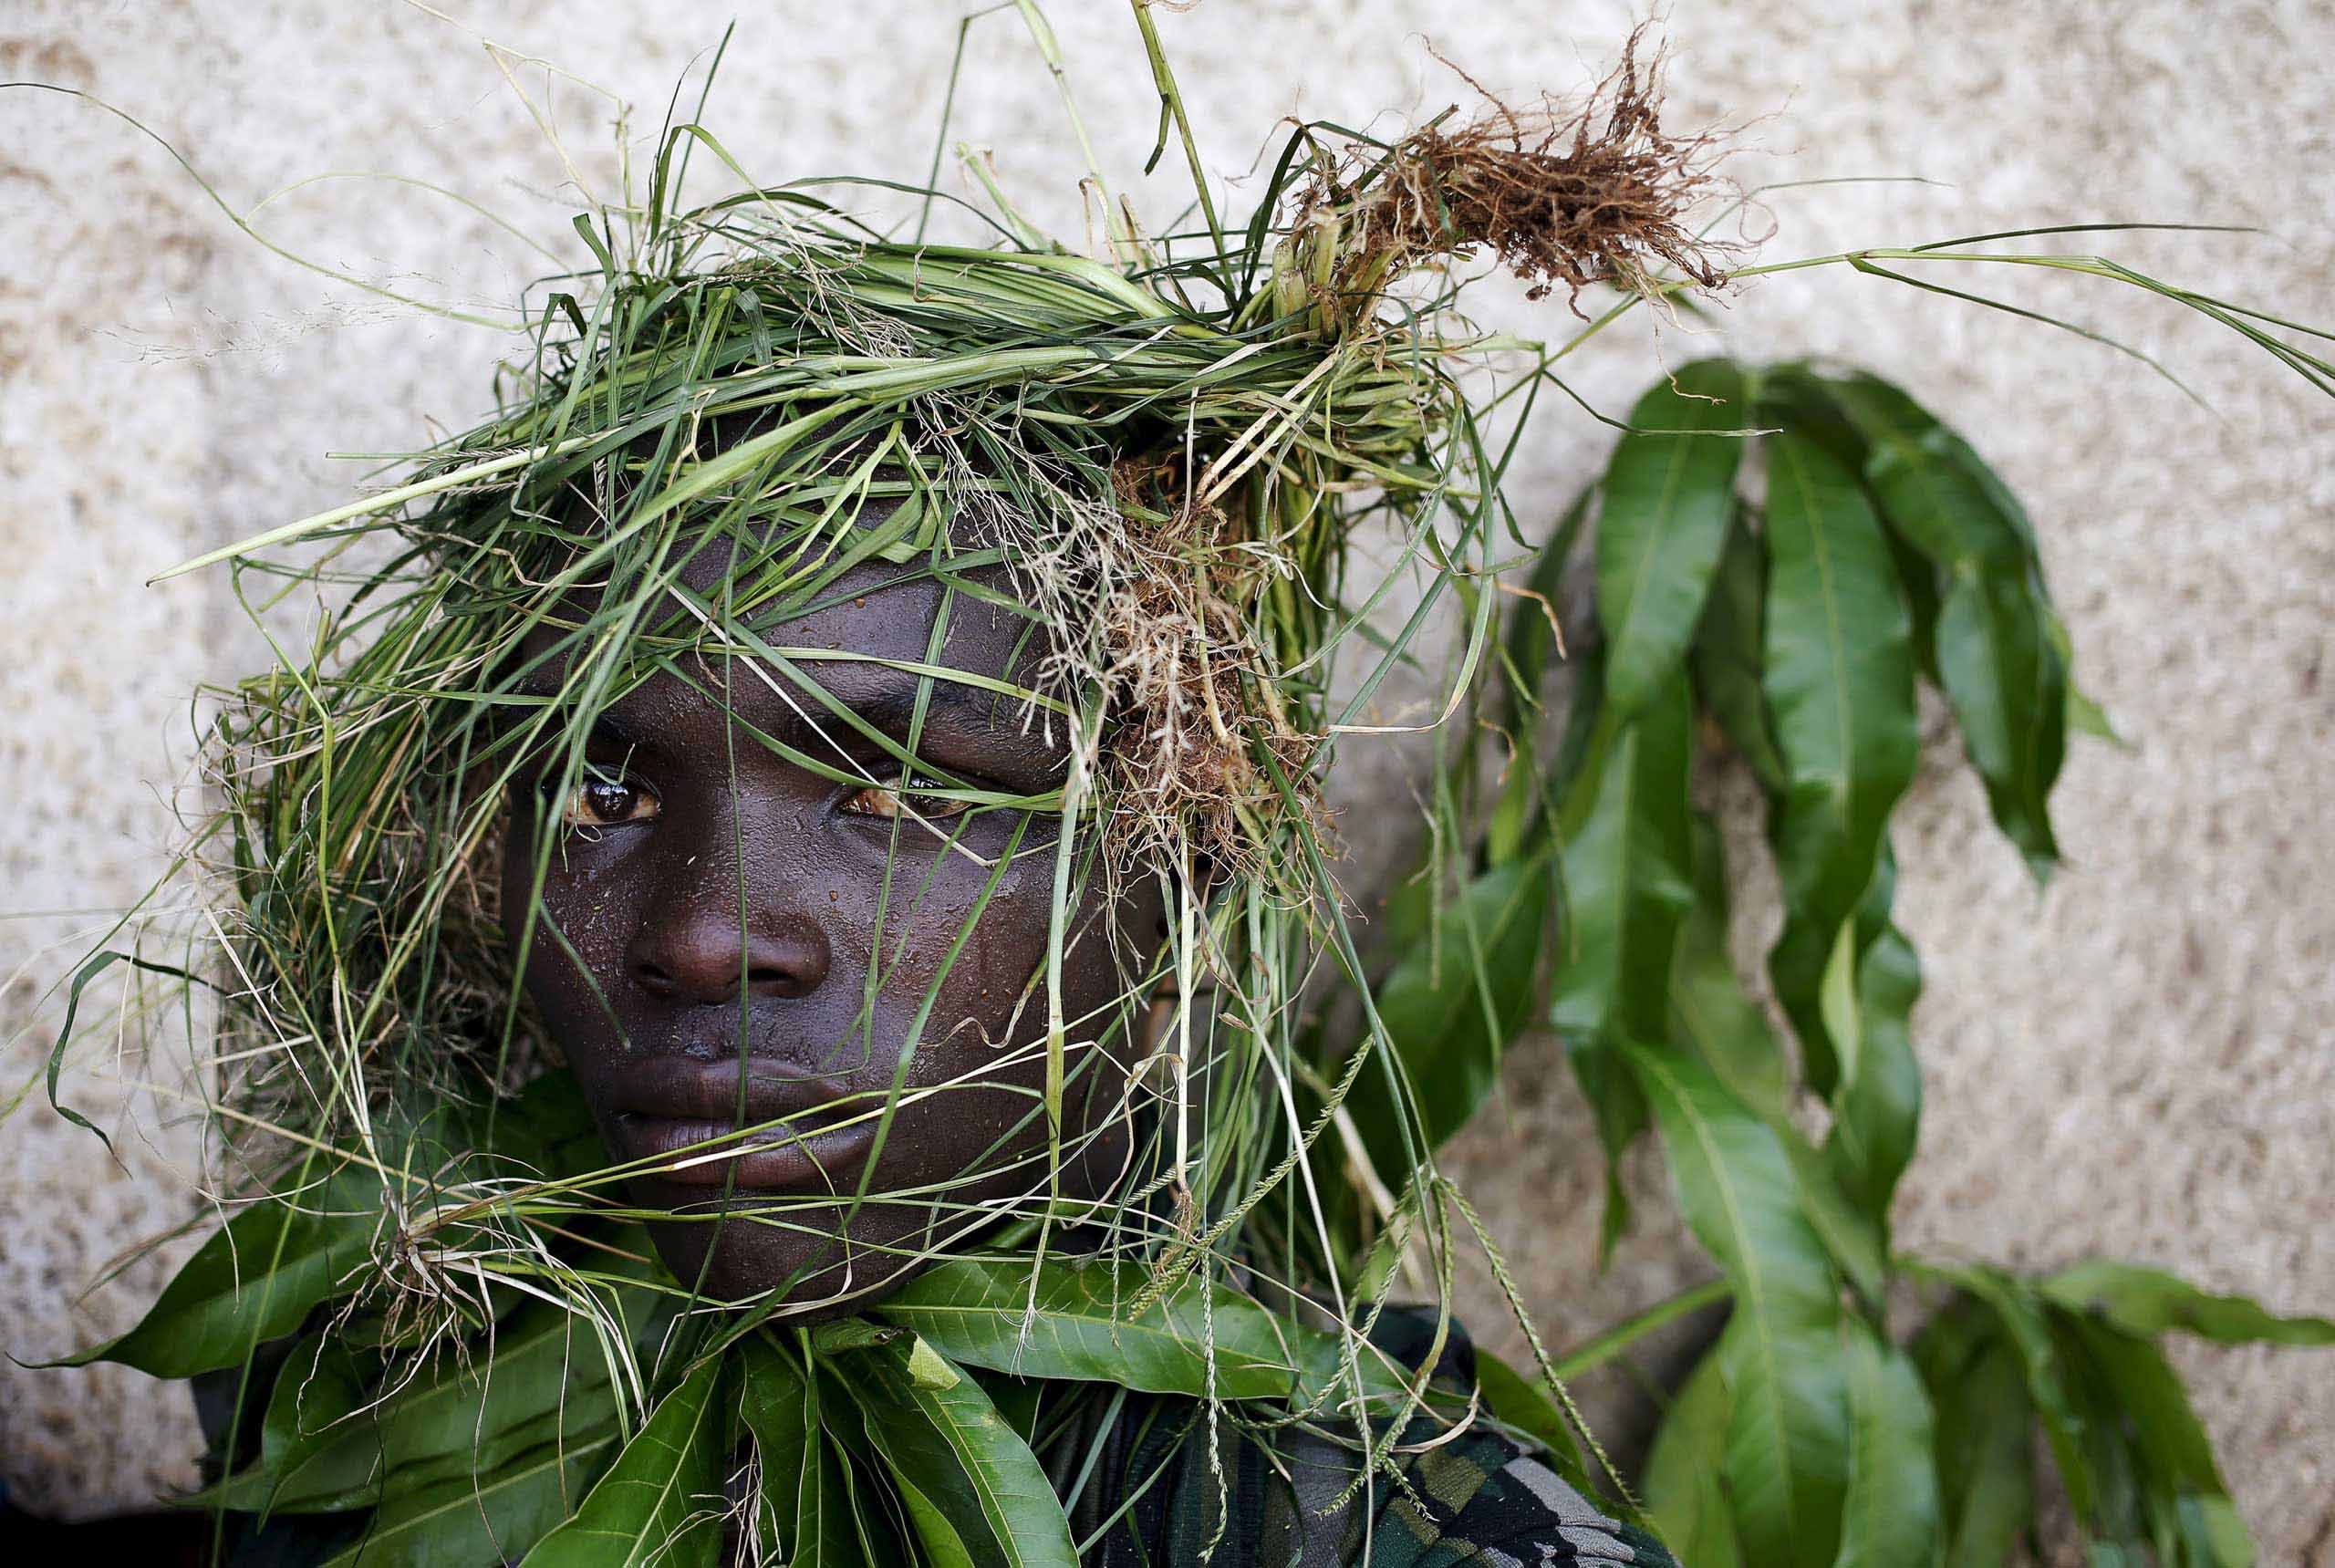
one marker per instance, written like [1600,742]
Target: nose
[703,953]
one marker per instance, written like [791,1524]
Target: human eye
[604,799]
[885,803]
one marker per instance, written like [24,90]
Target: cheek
[585,905]
[974,994]
[911,947]
[1006,950]
[994,994]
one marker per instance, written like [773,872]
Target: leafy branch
[1787,624]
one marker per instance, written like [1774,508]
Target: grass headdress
[1163,454]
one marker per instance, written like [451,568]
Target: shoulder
[1174,1486]
[1485,1499]
[1485,1496]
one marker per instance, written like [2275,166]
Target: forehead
[897,625]
[884,609]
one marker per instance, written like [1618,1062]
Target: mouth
[727,1123]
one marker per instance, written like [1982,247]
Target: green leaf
[1924,593]
[2214,1532]
[1876,1112]
[1787,1441]
[1985,1435]
[2085,717]
[2009,695]
[1018,1399]
[1839,682]
[1713,1018]
[1728,651]
[806,1509]
[1891,1517]
[660,1501]
[1852,1236]
[544,1378]
[1793,396]
[1668,498]
[491,1517]
[1450,1006]
[261,1274]
[1619,1106]
[1628,871]
[1529,647]
[1710,1012]
[1076,1325]
[1787,1435]
[2121,1514]
[974,1492]
[319,1388]
[2149,1302]
[1627,832]
[2004,677]
[1523,1403]
[2140,1424]
[255,1279]
[1686,1497]
[2024,1324]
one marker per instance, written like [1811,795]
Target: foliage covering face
[1152,463]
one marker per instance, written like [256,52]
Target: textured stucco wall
[2137,1061]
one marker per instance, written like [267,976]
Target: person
[768,924]
[785,898]
[778,895]
[732,959]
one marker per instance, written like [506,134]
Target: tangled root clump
[1191,696]
[1593,192]
[1188,696]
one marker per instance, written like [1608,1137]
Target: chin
[800,1251]
[824,1259]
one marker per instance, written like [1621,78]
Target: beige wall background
[2139,1061]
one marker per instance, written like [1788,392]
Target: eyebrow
[955,710]
[893,707]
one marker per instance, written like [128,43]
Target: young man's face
[730,940]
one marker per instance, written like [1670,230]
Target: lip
[681,1117]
